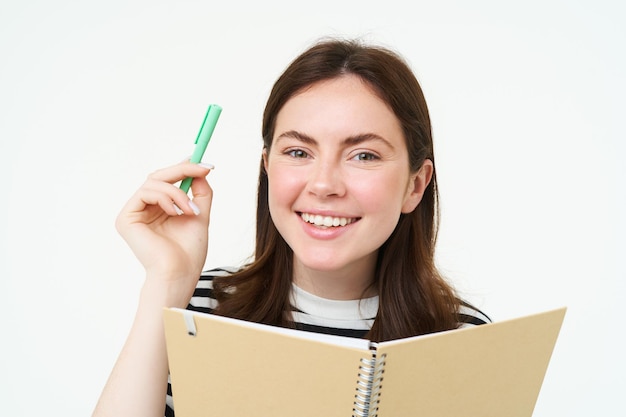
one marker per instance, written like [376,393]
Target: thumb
[202,195]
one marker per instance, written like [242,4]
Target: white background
[527,103]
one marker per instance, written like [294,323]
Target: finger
[167,195]
[202,195]
[201,191]
[146,206]
[155,193]
[159,190]
[178,172]
[151,197]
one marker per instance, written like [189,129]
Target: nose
[326,180]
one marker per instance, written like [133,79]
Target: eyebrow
[349,141]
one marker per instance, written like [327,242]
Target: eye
[297,153]
[366,156]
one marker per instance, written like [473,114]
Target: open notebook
[226,367]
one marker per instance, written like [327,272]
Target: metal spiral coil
[369,383]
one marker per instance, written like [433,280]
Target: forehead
[342,105]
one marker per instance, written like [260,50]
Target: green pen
[204,136]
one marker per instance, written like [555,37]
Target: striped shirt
[352,318]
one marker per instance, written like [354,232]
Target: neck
[350,283]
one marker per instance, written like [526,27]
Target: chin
[331,262]
[321,264]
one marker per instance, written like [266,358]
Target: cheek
[380,194]
[282,188]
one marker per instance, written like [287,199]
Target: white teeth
[326,221]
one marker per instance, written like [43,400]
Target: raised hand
[167,231]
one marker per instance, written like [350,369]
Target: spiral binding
[368,386]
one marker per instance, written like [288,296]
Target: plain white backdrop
[527,103]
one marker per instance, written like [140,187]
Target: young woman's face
[339,176]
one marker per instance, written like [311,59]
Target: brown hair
[413,297]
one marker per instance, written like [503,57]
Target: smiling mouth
[327,221]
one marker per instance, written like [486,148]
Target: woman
[346,223]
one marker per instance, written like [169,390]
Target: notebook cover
[230,369]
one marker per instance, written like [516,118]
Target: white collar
[365,308]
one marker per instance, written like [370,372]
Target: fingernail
[195,208]
[178,210]
[207,166]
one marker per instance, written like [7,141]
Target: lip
[326,232]
[326,213]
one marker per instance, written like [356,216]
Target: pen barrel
[202,140]
[206,131]
[186,184]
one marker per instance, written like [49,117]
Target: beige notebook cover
[225,367]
